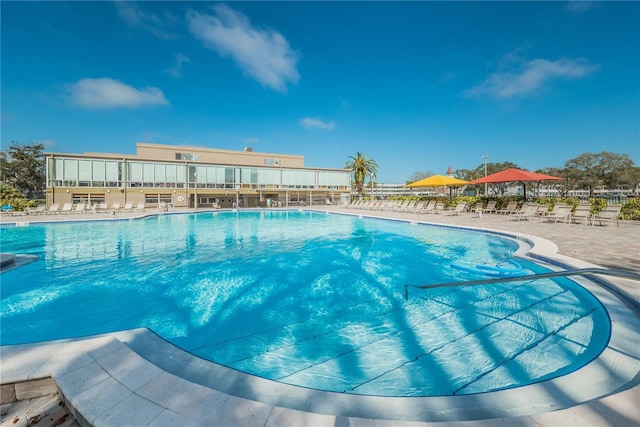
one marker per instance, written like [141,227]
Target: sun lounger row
[69,208]
[408,206]
[562,212]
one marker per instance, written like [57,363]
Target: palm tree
[361,165]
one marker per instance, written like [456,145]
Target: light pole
[485,157]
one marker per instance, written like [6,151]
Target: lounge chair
[610,214]
[460,207]
[67,208]
[409,206]
[582,212]
[490,208]
[527,212]
[54,208]
[429,207]
[100,207]
[560,211]
[438,208]
[477,207]
[140,207]
[115,206]
[79,208]
[128,207]
[510,208]
[39,210]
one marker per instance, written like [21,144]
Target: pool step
[104,382]
[9,261]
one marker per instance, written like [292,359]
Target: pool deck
[135,378]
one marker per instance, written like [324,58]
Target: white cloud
[135,17]
[312,123]
[108,93]
[263,54]
[176,70]
[528,77]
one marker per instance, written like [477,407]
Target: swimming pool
[305,298]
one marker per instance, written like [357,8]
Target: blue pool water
[305,298]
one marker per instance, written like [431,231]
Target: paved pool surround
[137,378]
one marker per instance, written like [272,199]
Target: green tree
[562,187]
[22,167]
[361,165]
[417,176]
[605,169]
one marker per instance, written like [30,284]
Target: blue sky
[417,86]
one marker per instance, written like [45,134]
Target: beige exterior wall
[161,152]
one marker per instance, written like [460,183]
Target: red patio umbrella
[514,175]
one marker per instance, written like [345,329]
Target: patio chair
[510,208]
[409,206]
[582,212]
[610,214]
[67,208]
[139,207]
[527,212]
[115,206]
[562,212]
[429,207]
[490,208]
[79,208]
[418,206]
[460,207]
[39,210]
[128,207]
[101,207]
[438,208]
[54,208]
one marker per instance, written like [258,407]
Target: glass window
[159,172]
[97,170]
[148,172]
[70,169]
[171,174]
[135,172]
[111,171]
[58,169]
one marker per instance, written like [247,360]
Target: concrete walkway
[135,378]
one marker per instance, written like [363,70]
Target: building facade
[191,177]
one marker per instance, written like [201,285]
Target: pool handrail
[561,273]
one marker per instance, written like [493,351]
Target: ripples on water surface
[304,298]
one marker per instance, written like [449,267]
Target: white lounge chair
[460,207]
[510,208]
[128,207]
[560,211]
[79,208]
[582,212]
[610,214]
[140,207]
[54,208]
[490,208]
[527,212]
[67,208]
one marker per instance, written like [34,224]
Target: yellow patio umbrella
[438,181]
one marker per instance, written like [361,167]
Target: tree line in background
[22,175]
[588,171]
[22,172]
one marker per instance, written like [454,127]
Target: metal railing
[563,273]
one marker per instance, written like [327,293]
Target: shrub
[631,209]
